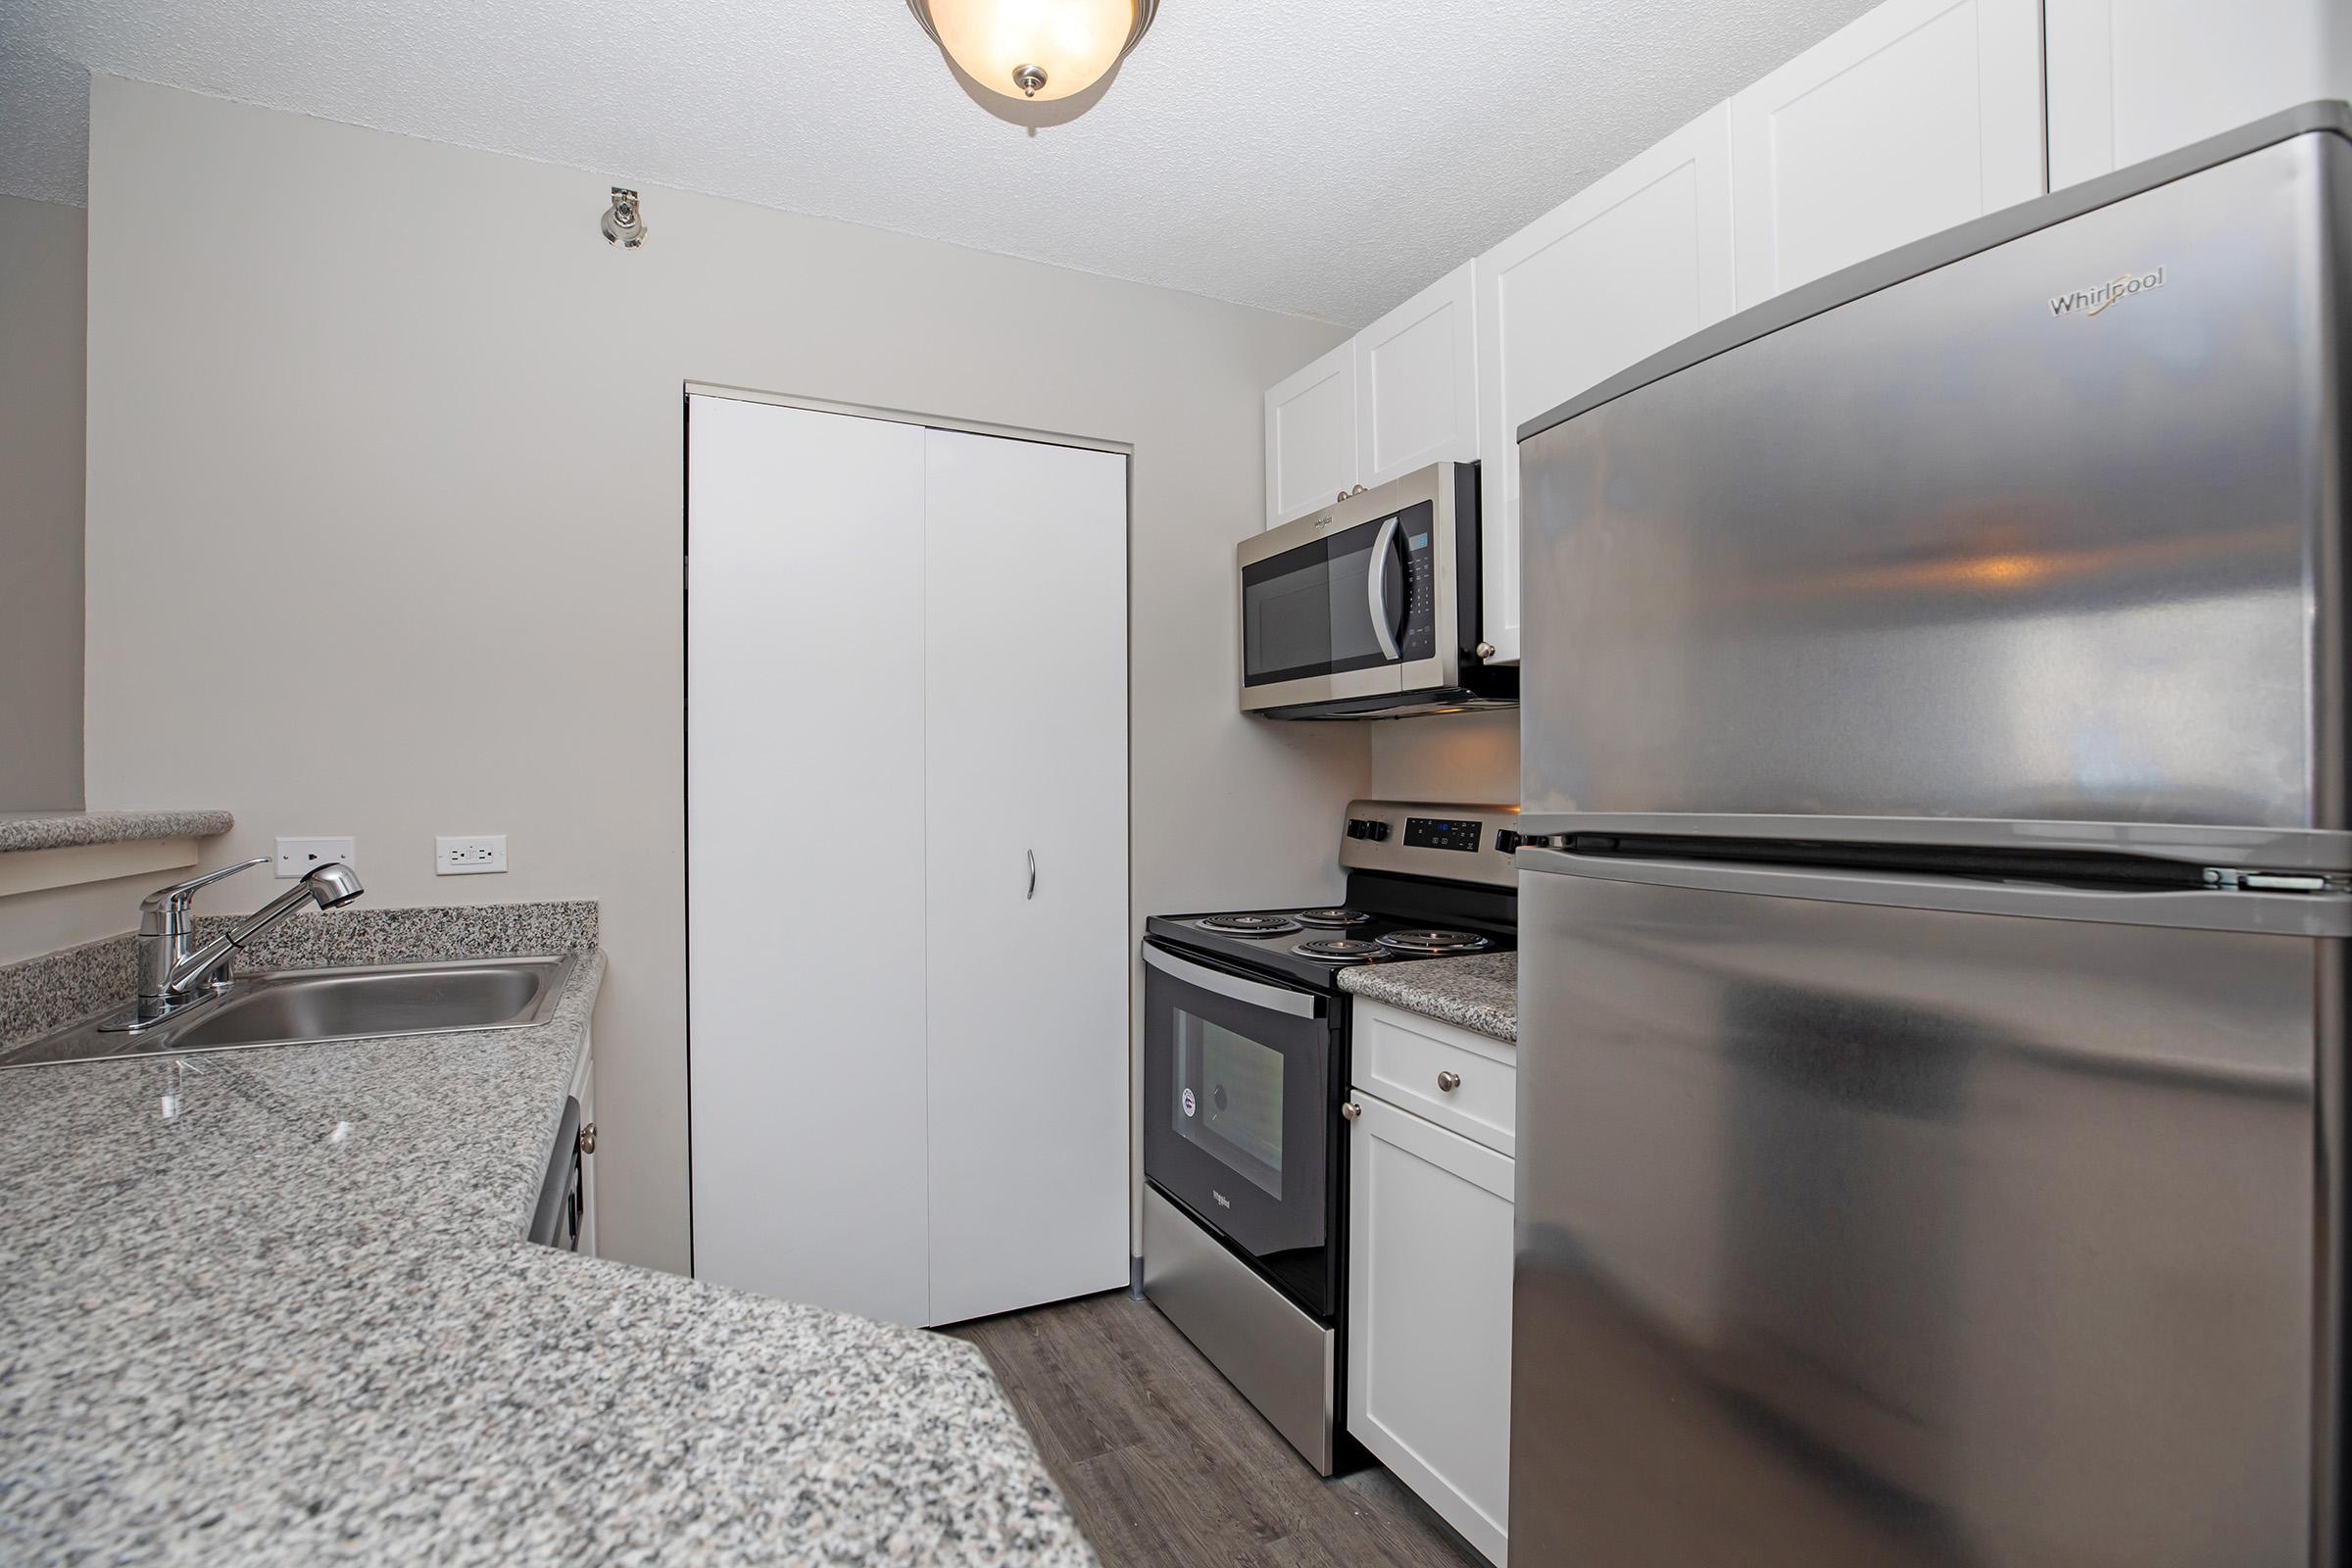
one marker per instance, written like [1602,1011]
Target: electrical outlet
[469,857]
[300,856]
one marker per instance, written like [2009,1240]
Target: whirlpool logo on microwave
[2088,302]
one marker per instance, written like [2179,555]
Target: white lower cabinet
[1429,1290]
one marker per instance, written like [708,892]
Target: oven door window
[1228,1099]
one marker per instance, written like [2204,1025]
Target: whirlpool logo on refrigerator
[2088,302]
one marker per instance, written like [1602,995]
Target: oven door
[1237,1111]
[1334,609]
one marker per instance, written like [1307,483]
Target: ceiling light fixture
[1036,49]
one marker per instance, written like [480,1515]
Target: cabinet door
[1921,115]
[1025,624]
[804,710]
[1429,1292]
[1416,383]
[1310,436]
[1641,258]
[2132,78]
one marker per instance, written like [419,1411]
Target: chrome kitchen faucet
[174,974]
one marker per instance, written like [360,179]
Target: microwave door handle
[1404,597]
[1376,588]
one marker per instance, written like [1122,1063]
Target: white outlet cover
[469,855]
[300,856]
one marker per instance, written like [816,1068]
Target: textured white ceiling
[1322,158]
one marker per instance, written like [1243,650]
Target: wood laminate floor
[1166,1466]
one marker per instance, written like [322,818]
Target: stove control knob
[1505,840]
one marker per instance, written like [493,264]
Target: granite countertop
[275,1306]
[58,830]
[1481,992]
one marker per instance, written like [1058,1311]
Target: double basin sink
[301,1006]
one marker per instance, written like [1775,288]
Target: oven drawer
[1408,1061]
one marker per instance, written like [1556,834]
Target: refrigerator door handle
[2301,914]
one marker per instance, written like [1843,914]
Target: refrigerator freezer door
[1876,1232]
[2047,533]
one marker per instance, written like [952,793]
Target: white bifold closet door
[906,689]
[805,856]
[1026,625]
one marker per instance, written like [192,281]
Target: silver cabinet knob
[1349,1110]
[1449,1082]
[1486,650]
[588,1137]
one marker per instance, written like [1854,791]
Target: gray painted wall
[426,426]
[42,251]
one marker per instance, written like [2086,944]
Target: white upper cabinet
[1416,383]
[1639,259]
[2133,78]
[1920,115]
[1310,436]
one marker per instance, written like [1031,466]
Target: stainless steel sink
[301,1006]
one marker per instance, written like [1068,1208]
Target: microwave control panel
[1415,527]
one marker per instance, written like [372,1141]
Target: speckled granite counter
[273,1307]
[58,830]
[1480,993]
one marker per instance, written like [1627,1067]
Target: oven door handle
[1376,589]
[1257,994]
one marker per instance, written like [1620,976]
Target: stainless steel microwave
[1370,608]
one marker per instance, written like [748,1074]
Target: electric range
[1245,1065]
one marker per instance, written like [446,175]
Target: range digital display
[1442,833]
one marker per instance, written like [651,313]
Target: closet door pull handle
[1032,893]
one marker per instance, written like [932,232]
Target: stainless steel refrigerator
[1933,991]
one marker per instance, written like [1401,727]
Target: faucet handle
[164,908]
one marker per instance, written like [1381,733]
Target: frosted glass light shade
[1035,49]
